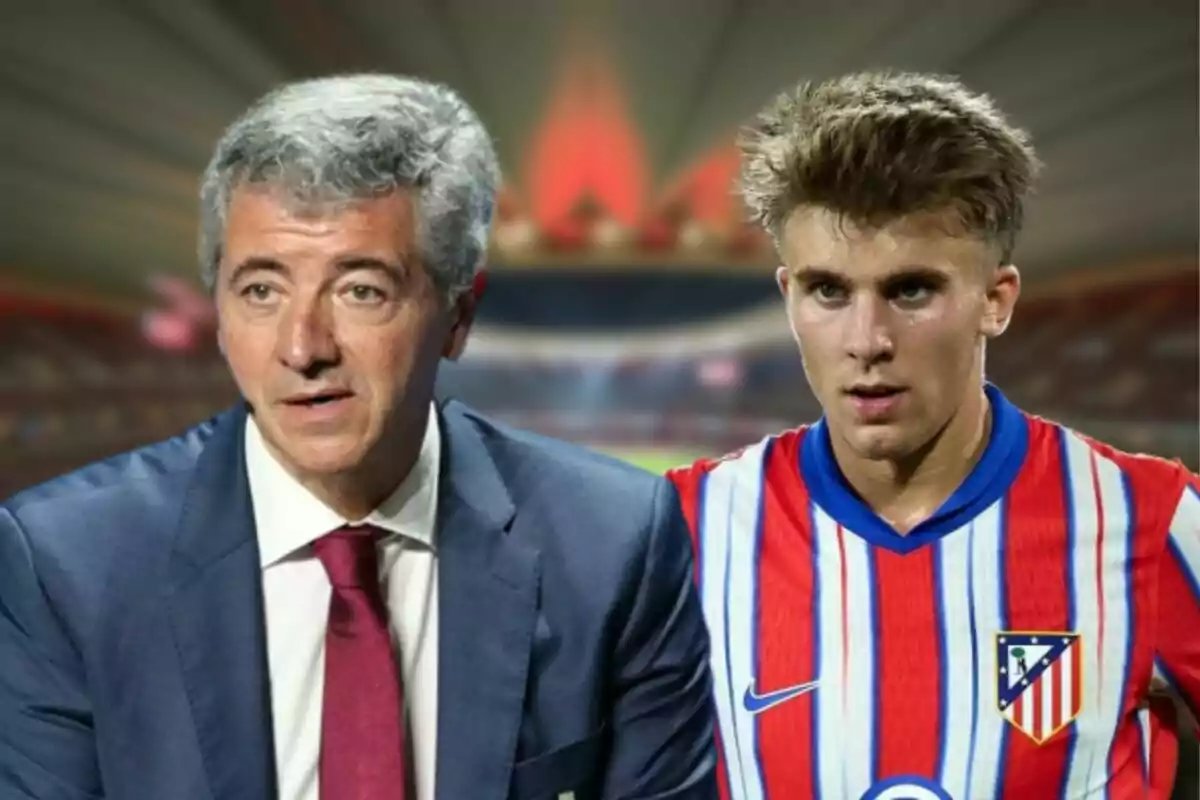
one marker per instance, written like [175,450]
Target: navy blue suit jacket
[573,655]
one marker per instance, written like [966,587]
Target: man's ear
[465,305]
[1003,289]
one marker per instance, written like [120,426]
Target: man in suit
[340,589]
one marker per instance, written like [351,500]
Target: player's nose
[868,335]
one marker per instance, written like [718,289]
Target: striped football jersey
[1008,647]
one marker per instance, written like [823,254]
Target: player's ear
[783,279]
[1003,289]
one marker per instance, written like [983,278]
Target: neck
[355,495]
[907,491]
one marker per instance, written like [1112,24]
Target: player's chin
[881,442]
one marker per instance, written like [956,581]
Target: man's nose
[868,332]
[306,339]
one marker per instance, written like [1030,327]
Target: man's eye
[365,293]
[258,292]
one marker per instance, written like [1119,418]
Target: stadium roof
[110,109]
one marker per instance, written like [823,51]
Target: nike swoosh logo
[758,703]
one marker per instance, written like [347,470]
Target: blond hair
[873,147]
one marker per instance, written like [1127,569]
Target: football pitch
[656,460]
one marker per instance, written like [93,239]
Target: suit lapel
[488,595]
[216,610]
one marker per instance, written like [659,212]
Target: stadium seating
[77,386]
[1119,362]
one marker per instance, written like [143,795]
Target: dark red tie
[362,720]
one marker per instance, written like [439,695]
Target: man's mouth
[318,398]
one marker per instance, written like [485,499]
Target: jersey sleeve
[1177,656]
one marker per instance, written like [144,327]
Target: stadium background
[629,307]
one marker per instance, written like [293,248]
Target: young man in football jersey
[929,593]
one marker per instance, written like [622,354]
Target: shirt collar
[289,517]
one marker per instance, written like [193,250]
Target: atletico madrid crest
[1039,681]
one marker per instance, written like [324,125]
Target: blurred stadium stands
[79,384]
[1118,361]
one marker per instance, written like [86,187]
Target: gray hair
[336,140]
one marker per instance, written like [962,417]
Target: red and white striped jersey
[1005,648]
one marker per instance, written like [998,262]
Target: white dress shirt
[296,592]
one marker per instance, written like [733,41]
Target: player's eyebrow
[912,272]
[809,273]
[817,274]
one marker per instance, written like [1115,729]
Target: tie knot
[350,557]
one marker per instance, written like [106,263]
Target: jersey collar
[987,482]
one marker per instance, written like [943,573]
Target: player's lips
[875,402]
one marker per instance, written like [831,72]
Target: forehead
[261,218]
[820,238]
